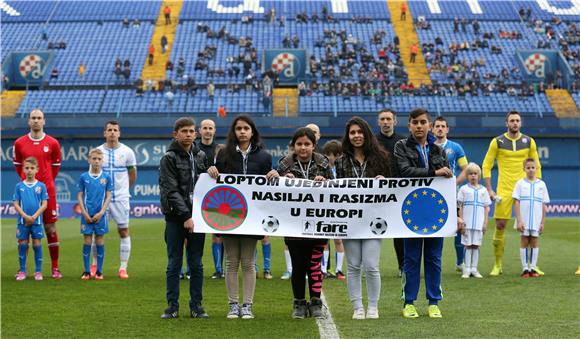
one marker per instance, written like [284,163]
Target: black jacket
[409,162]
[259,162]
[176,180]
[389,144]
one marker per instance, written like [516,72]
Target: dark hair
[303,132]
[183,122]
[229,151]
[440,118]
[530,160]
[112,122]
[332,147]
[378,159]
[388,110]
[512,112]
[418,112]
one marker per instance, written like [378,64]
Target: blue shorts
[25,232]
[100,228]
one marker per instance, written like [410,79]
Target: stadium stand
[95,34]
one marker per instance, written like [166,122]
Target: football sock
[22,250]
[468,259]
[87,257]
[100,257]
[288,260]
[94,251]
[459,251]
[324,261]
[534,257]
[216,250]
[38,257]
[267,253]
[339,261]
[53,248]
[524,258]
[474,258]
[498,246]
[125,252]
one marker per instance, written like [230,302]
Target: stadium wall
[560,159]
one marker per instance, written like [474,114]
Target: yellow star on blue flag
[428,210]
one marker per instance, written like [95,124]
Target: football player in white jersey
[473,201]
[530,199]
[120,163]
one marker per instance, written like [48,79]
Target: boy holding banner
[419,156]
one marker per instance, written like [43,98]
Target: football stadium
[290,168]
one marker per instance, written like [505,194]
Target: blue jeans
[430,249]
[175,236]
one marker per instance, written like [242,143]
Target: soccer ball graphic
[270,224]
[378,226]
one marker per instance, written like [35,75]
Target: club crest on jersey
[103,181]
[37,189]
[525,140]
[45,149]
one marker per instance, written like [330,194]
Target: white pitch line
[326,326]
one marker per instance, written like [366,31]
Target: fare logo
[322,228]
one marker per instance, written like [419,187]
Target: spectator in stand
[54,73]
[164,43]
[167,14]
[151,54]
[403,11]
[414,50]
[82,69]
[210,90]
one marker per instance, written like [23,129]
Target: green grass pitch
[507,306]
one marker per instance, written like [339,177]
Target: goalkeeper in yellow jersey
[510,149]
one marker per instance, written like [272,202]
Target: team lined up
[360,155]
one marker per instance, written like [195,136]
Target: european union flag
[424,211]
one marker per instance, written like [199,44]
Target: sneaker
[38,276]
[372,313]
[99,276]
[234,312]
[223,275]
[86,275]
[434,311]
[123,274]
[329,275]
[20,276]
[315,308]
[358,314]
[410,312]
[496,271]
[286,276]
[268,275]
[460,268]
[188,276]
[400,274]
[217,275]
[578,270]
[340,275]
[476,274]
[181,276]
[246,312]
[170,313]
[466,274]
[300,309]
[56,274]
[93,270]
[198,312]
[525,274]
[541,273]
[534,274]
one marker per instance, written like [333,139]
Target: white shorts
[472,238]
[119,212]
[530,233]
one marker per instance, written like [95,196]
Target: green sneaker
[410,312]
[434,311]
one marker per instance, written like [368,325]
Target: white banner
[342,208]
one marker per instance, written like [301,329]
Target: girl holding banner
[244,153]
[306,254]
[362,157]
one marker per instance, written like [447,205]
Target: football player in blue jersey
[95,193]
[458,163]
[30,200]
